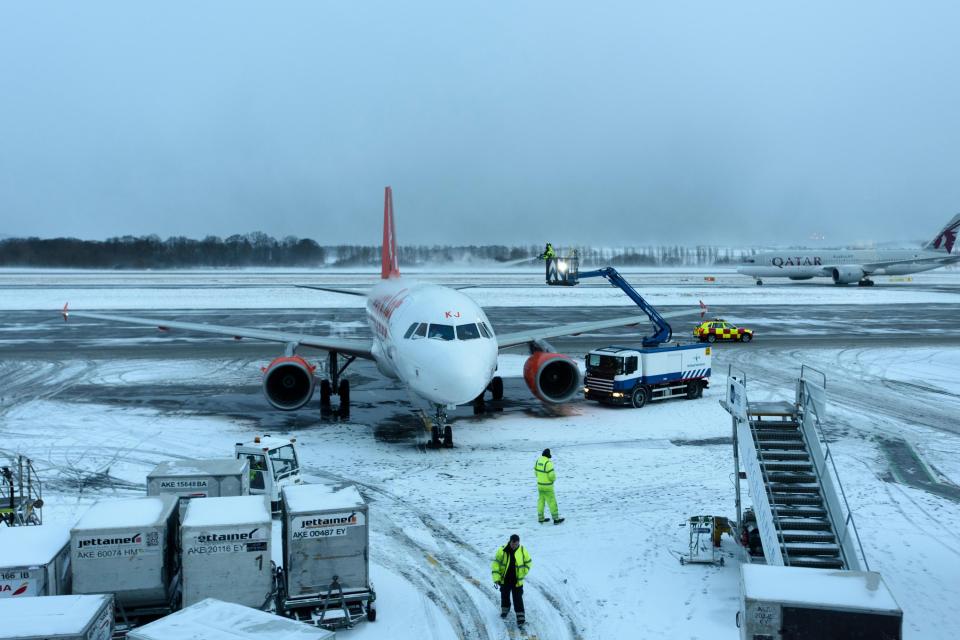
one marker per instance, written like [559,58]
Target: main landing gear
[496,393]
[866,282]
[441,428]
[759,282]
[334,385]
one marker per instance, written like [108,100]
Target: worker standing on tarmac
[511,563]
[546,476]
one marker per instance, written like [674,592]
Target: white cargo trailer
[326,550]
[34,561]
[802,603]
[210,478]
[128,548]
[57,618]
[225,547]
[212,618]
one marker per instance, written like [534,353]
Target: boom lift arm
[566,272]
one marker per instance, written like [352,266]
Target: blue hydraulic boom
[565,271]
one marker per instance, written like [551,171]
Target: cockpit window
[440,332]
[421,331]
[410,331]
[467,332]
[485,330]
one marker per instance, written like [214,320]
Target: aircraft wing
[360,348]
[348,292]
[532,335]
[944,259]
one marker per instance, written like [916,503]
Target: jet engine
[288,382]
[847,274]
[552,377]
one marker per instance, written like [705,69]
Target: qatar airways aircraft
[435,340]
[855,265]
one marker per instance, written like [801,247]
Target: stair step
[812,549]
[783,445]
[792,477]
[797,535]
[804,524]
[773,434]
[779,489]
[786,465]
[817,563]
[774,424]
[800,510]
[778,454]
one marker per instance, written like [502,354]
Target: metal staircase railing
[21,494]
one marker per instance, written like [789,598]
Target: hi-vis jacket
[501,562]
[546,476]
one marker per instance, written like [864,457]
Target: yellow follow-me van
[720,329]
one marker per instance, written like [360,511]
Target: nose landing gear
[441,428]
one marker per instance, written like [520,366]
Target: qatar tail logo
[947,237]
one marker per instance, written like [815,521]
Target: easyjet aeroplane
[435,340]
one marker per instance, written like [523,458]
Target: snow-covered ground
[626,480]
[26,290]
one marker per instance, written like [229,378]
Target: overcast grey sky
[495,122]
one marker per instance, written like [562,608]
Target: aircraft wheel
[344,393]
[325,393]
[640,397]
[478,405]
[435,436]
[448,437]
[496,388]
[759,283]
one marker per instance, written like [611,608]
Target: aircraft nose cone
[453,382]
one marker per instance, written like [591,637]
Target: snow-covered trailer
[798,603]
[212,618]
[74,617]
[209,478]
[326,550]
[34,561]
[225,545]
[128,548]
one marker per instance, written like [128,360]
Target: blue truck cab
[639,375]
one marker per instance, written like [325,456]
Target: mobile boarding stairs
[801,510]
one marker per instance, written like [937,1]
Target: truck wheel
[745,337]
[711,338]
[639,397]
[496,388]
[694,390]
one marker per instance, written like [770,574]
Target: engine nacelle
[847,274]
[552,377]
[288,382]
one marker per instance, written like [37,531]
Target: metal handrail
[828,456]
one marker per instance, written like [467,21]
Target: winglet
[389,267]
[66,311]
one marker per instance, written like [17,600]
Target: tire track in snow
[446,570]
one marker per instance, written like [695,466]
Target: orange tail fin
[389,267]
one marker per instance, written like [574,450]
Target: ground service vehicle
[720,329]
[636,376]
[274,463]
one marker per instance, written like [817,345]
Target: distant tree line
[261,250]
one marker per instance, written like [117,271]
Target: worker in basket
[550,256]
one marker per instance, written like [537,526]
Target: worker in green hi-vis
[546,476]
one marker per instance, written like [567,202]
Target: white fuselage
[811,264]
[445,365]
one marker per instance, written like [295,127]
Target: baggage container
[325,534]
[212,618]
[34,561]
[801,602]
[213,478]
[128,548]
[57,618]
[225,545]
